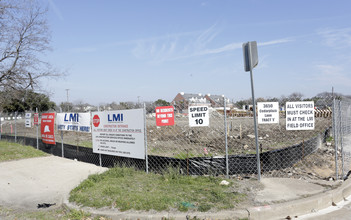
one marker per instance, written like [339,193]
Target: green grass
[128,189]
[329,139]
[87,144]
[13,151]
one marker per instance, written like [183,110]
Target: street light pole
[67,109]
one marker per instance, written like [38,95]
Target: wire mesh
[225,146]
[342,135]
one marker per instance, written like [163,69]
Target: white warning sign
[300,115]
[28,121]
[198,116]
[268,112]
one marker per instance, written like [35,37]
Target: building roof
[194,98]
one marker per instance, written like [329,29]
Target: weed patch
[13,151]
[129,189]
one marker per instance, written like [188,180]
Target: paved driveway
[26,183]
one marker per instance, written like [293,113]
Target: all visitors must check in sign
[300,115]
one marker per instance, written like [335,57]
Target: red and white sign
[48,128]
[120,133]
[36,118]
[96,120]
[164,116]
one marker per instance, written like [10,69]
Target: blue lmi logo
[72,117]
[115,117]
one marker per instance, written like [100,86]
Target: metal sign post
[251,61]
[36,121]
[15,127]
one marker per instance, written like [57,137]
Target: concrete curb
[301,206]
[276,211]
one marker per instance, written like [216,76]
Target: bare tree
[295,96]
[24,39]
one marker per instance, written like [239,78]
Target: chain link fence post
[335,138]
[37,125]
[226,137]
[15,127]
[0,126]
[145,141]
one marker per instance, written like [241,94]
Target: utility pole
[67,108]
[67,94]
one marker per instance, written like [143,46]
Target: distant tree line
[321,99]
[28,100]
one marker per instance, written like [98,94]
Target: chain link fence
[225,147]
[342,136]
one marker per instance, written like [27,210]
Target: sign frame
[70,121]
[120,133]
[164,115]
[300,115]
[268,112]
[48,127]
[199,116]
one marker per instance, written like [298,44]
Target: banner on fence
[300,115]
[73,122]
[164,116]
[27,120]
[198,116]
[119,133]
[48,128]
[268,112]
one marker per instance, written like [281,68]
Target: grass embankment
[13,151]
[128,189]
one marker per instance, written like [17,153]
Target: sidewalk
[28,182]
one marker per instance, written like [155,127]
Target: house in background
[183,100]
[217,101]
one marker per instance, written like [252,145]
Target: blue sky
[121,50]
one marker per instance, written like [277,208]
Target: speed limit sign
[198,116]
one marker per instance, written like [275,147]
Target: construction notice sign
[198,116]
[73,122]
[164,116]
[119,133]
[48,128]
[300,115]
[268,112]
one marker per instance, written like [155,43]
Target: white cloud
[332,75]
[273,42]
[56,10]
[336,38]
[182,46]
